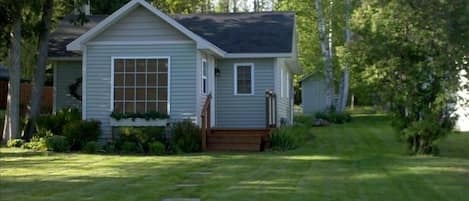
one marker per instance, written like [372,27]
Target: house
[139,59]
[313,93]
[462,108]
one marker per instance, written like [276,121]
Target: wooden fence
[47,97]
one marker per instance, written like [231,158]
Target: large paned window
[140,85]
[244,79]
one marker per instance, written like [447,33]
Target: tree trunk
[12,116]
[326,53]
[344,82]
[40,73]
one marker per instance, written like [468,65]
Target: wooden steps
[236,139]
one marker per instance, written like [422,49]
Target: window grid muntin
[244,79]
[204,77]
[163,88]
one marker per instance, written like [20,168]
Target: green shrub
[303,119]
[288,137]
[422,136]
[334,117]
[80,132]
[43,133]
[36,143]
[110,147]
[157,148]
[57,143]
[55,123]
[91,147]
[131,147]
[142,135]
[15,143]
[186,137]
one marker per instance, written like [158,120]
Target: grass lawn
[356,161]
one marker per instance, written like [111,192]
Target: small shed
[313,92]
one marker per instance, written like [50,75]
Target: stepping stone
[202,173]
[187,185]
[181,199]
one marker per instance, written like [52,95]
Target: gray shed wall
[313,94]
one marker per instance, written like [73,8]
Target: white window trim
[284,83]
[235,81]
[287,87]
[142,57]
[205,77]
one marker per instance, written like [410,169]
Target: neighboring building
[139,59]
[463,108]
[313,92]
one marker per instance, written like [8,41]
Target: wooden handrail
[205,118]
[270,109]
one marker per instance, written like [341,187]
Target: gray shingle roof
[66,32]
[269,32]
[264,32]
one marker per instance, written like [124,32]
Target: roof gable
[141,25]
[127,8]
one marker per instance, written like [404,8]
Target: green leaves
[406,50]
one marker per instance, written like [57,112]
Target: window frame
[284,83]
[204,78]
[235,81]
[168,88]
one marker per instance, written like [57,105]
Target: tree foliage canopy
[413,53]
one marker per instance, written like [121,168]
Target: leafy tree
[12,11]
[415,51]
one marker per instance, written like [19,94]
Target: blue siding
[66,73]
[141,25]
[182,75]
[242,111]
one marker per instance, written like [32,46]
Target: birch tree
[326,45]
[345,75]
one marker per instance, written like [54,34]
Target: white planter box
[139,122]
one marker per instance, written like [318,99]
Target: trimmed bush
[80,132]
[55,123]
[91,147]
[131,147]
[38,144]
[57,143]
[157,148]
[334,117]
[186,137]
[142,136]
[303,119]
[288,137]
[15,143]
[110,147]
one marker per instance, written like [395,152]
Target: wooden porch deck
[238,139]
[223,139]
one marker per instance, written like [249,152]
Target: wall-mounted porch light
[217,72]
